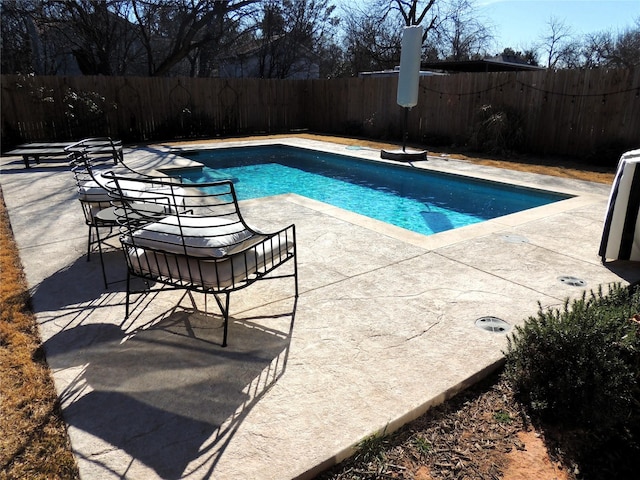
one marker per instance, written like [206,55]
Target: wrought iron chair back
[95,196]
[194,237]
[94,199]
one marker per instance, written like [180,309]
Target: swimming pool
[425,202]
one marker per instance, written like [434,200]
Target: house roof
[395,72]
[500,63]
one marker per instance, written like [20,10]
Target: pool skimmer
[572,281]
[493,324]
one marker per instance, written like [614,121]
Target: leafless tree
[559,44]
[452,30]
[93,32]
[171,30]
[293,35]
[122,37]
[373,33]
[20,47]
[606,49]
[97,32]
[459,34]
[414,12]
[371,42]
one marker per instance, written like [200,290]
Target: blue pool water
[424,202]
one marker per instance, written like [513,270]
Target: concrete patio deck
[384,326]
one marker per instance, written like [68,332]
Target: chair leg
[126,311]
[104,273]
[225,314]
[89,242]
[295,270]
[226,320]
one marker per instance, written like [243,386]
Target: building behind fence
[570,112]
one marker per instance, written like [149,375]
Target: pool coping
[579,196]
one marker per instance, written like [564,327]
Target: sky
[519,24]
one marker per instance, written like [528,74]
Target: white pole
[410,66]
[408,83]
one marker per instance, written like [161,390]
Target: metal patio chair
[96,207]
[202,244]
[96,197]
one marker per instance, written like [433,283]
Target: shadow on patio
[167,393]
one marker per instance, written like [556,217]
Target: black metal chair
[95,196]
[199,243]
[96,207]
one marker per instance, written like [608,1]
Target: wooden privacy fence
[142,108]
[573,112]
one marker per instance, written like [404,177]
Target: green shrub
[579,366]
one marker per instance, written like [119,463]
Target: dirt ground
[482,433]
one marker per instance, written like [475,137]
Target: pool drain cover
[572,281]
[493,324]
[515,239]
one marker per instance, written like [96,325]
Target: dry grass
[33,438]
[33,442]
